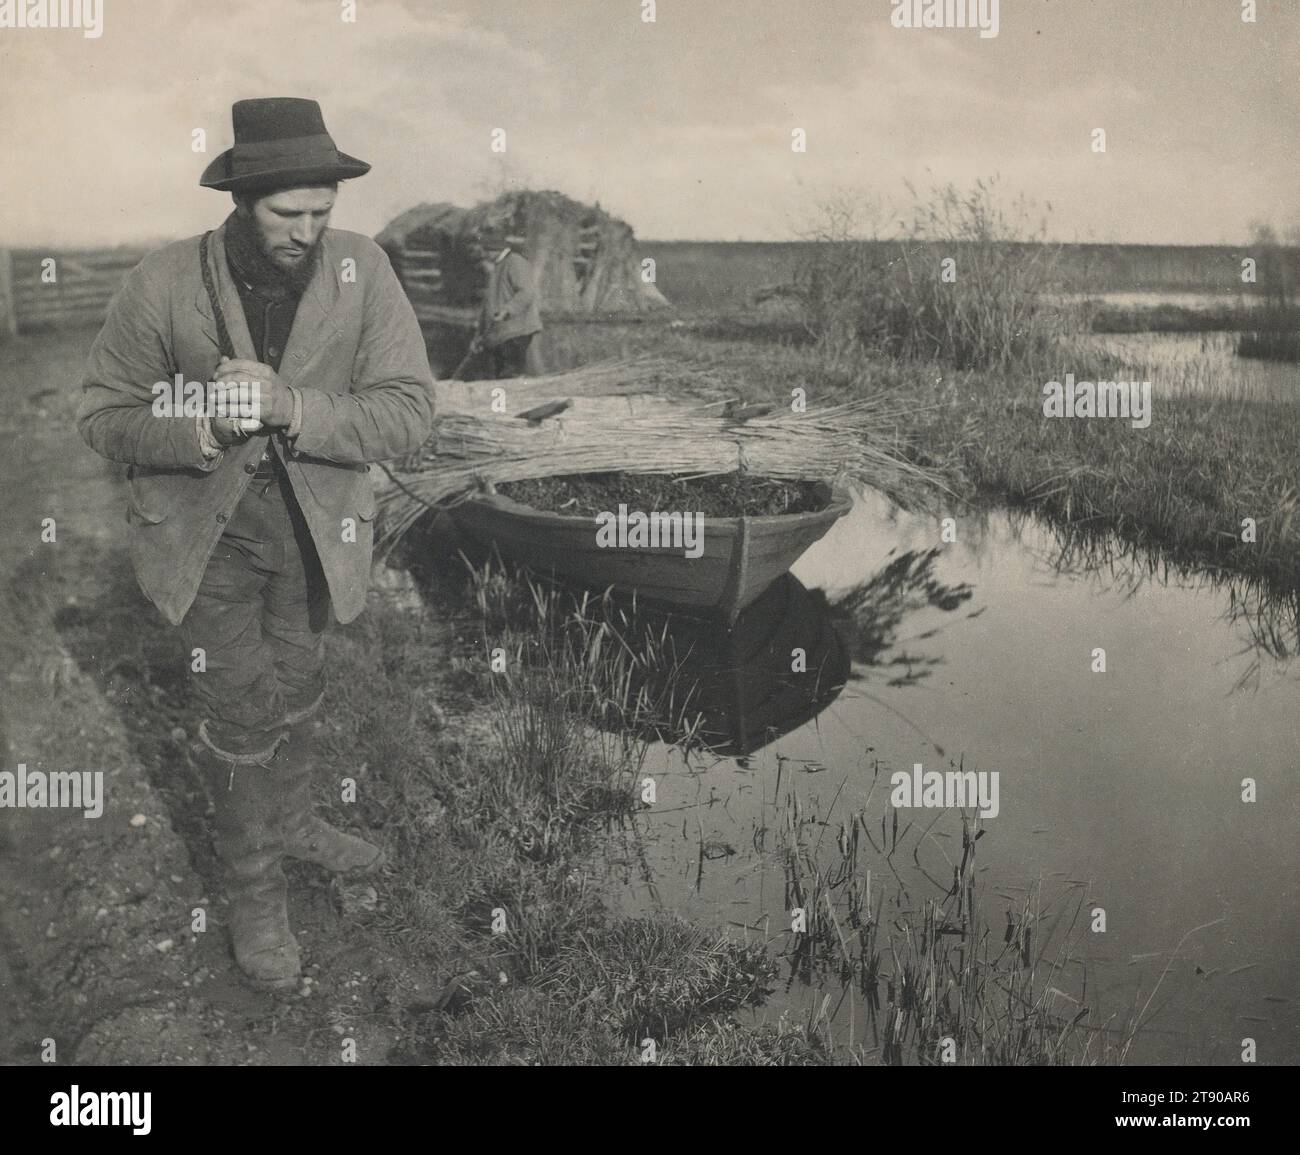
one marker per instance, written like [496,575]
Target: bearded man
[251,527]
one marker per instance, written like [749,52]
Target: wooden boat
[741,556]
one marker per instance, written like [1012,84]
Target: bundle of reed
[646,373]
[849,442]
[650,378]
[471,397]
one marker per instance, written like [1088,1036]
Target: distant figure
[510,320]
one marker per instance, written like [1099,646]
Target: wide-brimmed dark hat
[280,142]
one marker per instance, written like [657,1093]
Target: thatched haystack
[584,259]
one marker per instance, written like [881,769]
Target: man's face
[290,222]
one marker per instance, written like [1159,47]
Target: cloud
[683,126]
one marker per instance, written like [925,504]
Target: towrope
[88,15]
[62,790]
[78,1108]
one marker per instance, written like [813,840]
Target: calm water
[1119,788]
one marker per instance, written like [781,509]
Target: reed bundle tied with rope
[851,442]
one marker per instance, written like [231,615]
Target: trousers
[515,357]
[256,630]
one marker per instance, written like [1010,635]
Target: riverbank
[486,940]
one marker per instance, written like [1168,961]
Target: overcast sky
[682,126]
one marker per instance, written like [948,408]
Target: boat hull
[741,556]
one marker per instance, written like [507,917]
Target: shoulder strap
[226,345]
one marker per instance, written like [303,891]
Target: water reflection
[874,611]
[1265,615]
[789,654]
[1120,789]
[782,663]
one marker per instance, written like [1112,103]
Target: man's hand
[272,401]
[230,431]
[234,411]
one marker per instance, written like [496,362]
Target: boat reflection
[739,689]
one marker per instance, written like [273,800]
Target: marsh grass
[569,714]
[932,975]
[494,807]
[492,789]
[630,974]
[961,295]
[1204,365]
[1182,486]
[582,681]
[1230,315]
[971,358]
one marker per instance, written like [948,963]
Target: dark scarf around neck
[248,261]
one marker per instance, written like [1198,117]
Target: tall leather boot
[248,841]
[307,836]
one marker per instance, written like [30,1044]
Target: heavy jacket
[510,290]
[356,354]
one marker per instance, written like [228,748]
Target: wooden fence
[44,288]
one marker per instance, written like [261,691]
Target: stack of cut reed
[851,442]
[608,386]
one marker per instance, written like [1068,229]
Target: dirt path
[96,946]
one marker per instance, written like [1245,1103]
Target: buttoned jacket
[356,356]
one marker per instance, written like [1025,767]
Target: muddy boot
[305,835]
[248,842]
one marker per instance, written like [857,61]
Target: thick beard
[244,247]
